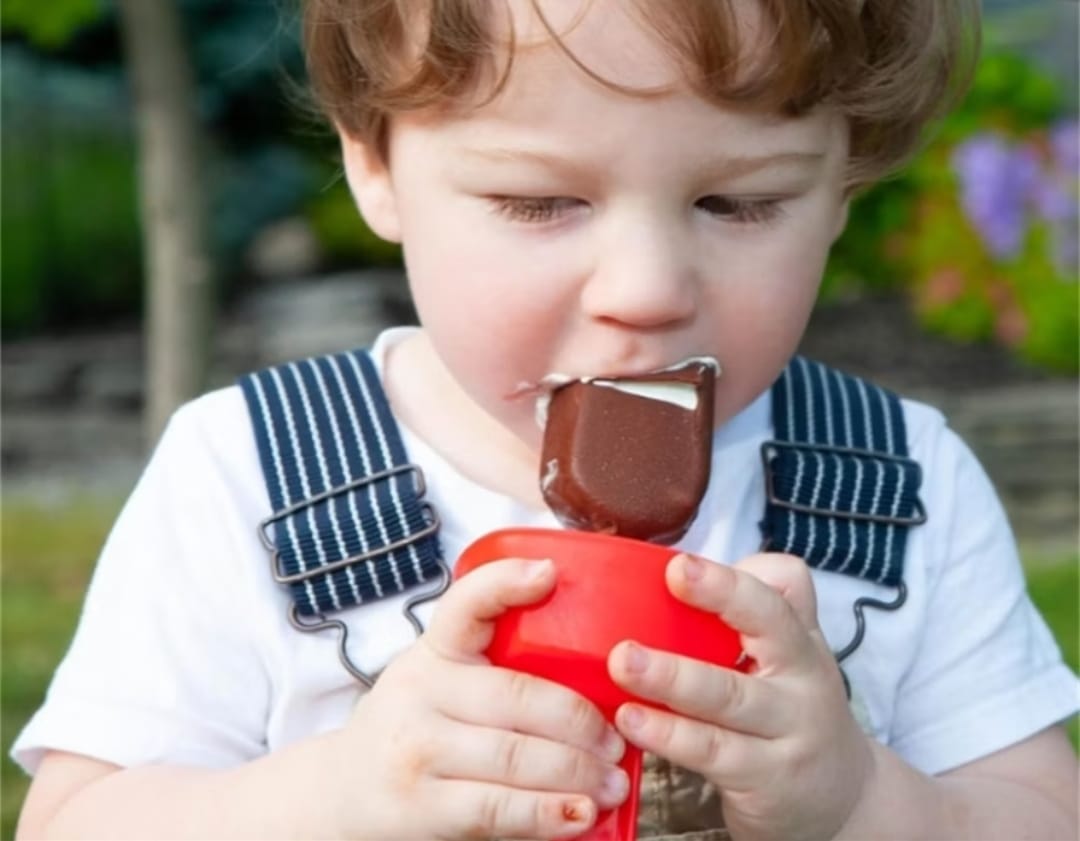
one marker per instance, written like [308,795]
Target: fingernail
[637,660]
[692,568]
[537,570]
[632,716]
[615,787]
[613,747]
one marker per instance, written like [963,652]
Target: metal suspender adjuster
[431,517]
[770,451]
[318,621]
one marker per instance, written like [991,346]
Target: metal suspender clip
[318,622]
[770,451]
[431,518]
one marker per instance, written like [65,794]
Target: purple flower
[1065,146]
[1004,187]
[1052,201]
[1060,205]
[996,180]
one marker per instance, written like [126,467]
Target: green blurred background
[979,236]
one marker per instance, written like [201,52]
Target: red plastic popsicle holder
[607,589]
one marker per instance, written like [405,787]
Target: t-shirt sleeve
[162,668]
[988,673]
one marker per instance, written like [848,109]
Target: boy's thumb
[464,621]
[790,577]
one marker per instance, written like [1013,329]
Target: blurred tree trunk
[179,285]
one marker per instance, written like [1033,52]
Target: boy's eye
[742,211]
[534,208]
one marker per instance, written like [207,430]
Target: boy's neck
[429,402]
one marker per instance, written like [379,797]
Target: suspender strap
[349,523]
[841,490]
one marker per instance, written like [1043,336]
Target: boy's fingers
[733,761]
[773,633]
[513,700]
[492,755]
[725,697]
[463,624]
[789,576]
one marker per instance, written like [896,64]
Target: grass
[1054,585]
[48,553]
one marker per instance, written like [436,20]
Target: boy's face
[568,228]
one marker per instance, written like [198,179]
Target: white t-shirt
[184,654]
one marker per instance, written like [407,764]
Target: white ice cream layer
[683,395]
[677,392]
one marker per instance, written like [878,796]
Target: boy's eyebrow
[720,169]
[739,165]
[499,154]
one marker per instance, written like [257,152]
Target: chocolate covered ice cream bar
[630,455]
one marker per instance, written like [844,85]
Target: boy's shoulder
[925,422]
[211,436]
[219,415]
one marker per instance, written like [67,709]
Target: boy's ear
[841,218]
[369,180]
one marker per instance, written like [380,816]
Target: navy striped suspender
[841,491]
[350,525]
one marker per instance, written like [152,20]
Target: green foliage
[1051,306]
[915,231]
[869,254]
[72,250]
[71,232]
[342,232]
[48,23]
[1007,93]
[1026,298]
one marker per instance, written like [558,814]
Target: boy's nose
[642,276]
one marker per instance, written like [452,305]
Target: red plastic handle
[607,589]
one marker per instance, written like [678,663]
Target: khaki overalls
[678,804]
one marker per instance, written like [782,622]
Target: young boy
[582,188]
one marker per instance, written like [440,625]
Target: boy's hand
[447,746]
[779,741]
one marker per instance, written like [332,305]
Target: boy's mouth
[667,384]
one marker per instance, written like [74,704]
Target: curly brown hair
[889,67]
